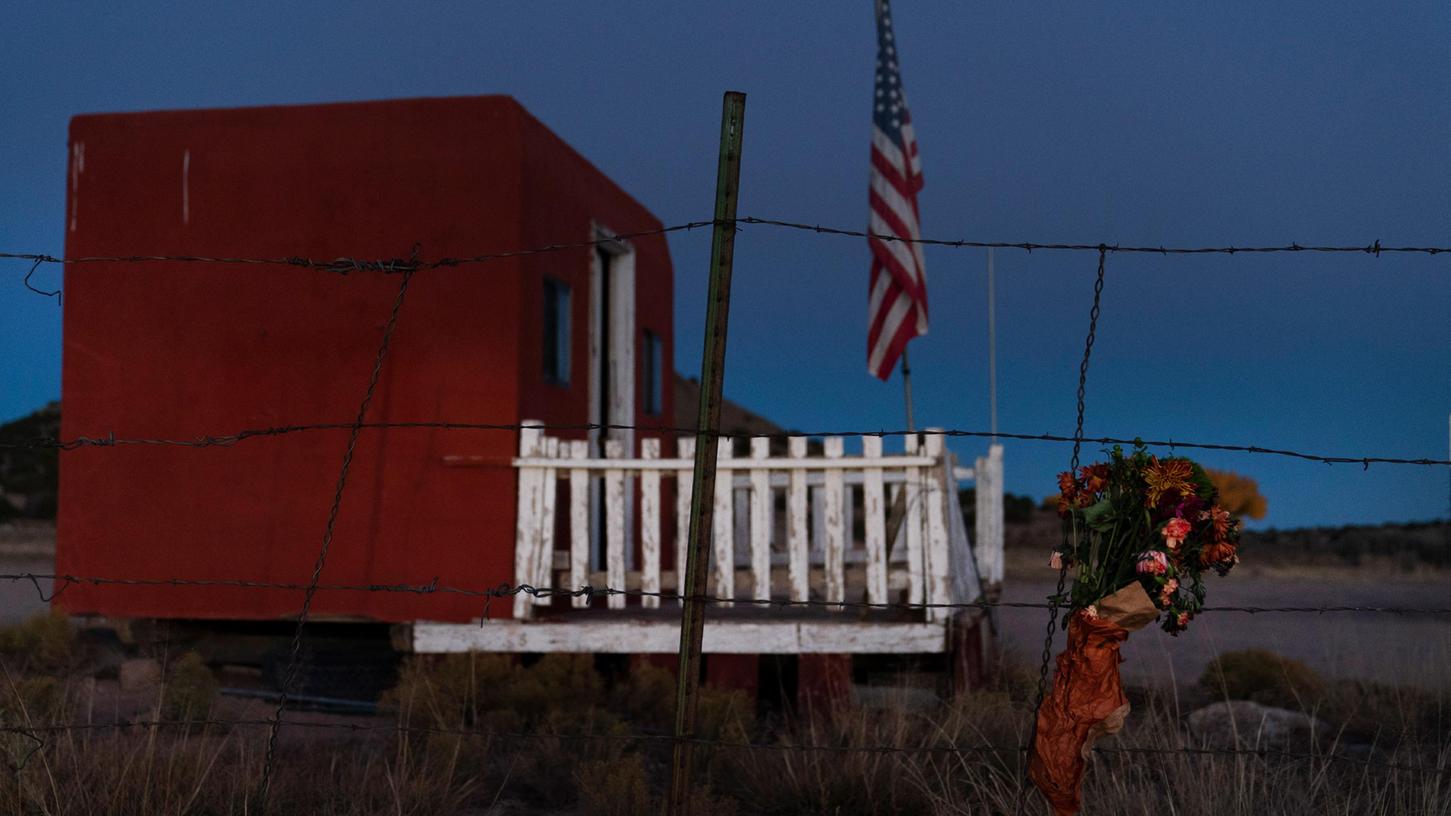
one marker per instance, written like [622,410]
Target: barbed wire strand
[434,587]
[1374,248]
[295,658]
[345,265]
[228,440]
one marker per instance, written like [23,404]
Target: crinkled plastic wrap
[1087,700]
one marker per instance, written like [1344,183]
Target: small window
[654,374]
[556,332]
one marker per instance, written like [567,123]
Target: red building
[182,350]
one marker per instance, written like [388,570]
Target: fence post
[712,373]
[526,530]
[995,544]
[650,526]
[939,580]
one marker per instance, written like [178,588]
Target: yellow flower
[1165,475]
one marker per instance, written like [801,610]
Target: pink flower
[1183,619]
[1153,562]
[1175,531]
[1167,593]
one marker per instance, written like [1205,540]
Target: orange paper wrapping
[1087,700]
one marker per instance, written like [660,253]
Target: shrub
[1264,677]
[43,643]
[614,787]
[34,698]
[190,690]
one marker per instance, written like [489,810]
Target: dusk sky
[1136,123]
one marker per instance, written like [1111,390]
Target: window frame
[556,332]
[654,374]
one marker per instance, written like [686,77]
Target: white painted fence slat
[939,574]
[818,518]
[579,522]
[615,524]
[876,523]
[916,577]
[526,528]
[982,525]
[797,545]
[994,546]
[761,522]
[939,564]
[724,543]
[835,525]
[684,486]
[544,556]
[650,526]
[987,484]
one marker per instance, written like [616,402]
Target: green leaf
[1100,516]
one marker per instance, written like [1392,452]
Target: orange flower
[1164,475]
[1219,522]
[1095,477]
[1066,485]
[1166,595]
[1219,552]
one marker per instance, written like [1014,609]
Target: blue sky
[1122,122]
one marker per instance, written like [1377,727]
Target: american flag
[897,303]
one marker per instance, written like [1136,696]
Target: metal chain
[294,660]
[1063,567]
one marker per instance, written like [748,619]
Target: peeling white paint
[186,186]
[663,637]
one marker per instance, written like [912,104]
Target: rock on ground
[1244,724]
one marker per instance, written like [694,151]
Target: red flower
[1152,562]
[1095,477]
[1175,531]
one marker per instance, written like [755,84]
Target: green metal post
[712,374]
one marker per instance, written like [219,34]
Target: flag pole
[907,390]
[992,348]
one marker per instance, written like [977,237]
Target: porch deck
[803,543]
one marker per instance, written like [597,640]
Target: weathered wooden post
[712,374]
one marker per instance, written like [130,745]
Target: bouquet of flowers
[1140,532]
[1139,517]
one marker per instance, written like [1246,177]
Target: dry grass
[563,701]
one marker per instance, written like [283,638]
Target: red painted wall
[566,193]
[185,350]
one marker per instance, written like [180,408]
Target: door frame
[611,365]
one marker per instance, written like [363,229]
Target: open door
[611,374]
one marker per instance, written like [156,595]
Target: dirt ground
[1402,649]
[20,599]
[1412,649]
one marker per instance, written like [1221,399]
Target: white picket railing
[930,561]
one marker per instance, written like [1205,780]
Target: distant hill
[29,477]
[1407,544]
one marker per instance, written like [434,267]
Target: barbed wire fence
[407,268]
